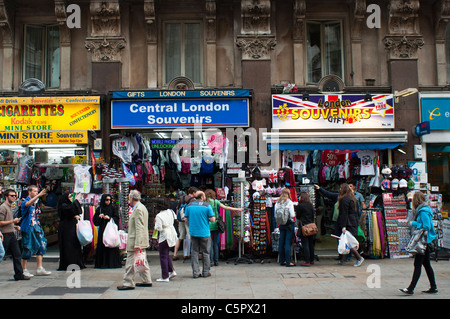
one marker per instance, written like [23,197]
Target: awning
[335,140]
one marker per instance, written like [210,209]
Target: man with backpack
[7,226]
[182,226]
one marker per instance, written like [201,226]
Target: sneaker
[359,262]
[42,272]
[172,274]
[26,273]
[162,279]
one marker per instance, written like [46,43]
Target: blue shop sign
[179,113]
[177,94]
[436,110]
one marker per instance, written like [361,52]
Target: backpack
[282,213]
[180,214]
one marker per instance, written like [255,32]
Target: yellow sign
[46,137]
[50,113]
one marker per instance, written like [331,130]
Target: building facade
[344,46]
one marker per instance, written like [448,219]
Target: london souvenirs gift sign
[332,111]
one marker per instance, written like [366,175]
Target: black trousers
[419,261]
[12,245]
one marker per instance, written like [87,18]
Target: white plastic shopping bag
[111,238]
[84,232]
[343,248]
[351,240]
[123,239]
[140,264]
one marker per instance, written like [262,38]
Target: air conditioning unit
[40,156]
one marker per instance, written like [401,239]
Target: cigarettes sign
[49,113]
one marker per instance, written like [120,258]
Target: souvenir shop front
[330,139]
[43,142]
[173,139]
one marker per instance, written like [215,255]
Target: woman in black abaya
[106,257]
[69,211]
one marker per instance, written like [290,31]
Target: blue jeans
[284,248]
[33,242]
[2,250]
[214,251]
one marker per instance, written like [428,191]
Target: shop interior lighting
[401,151]
[404,93]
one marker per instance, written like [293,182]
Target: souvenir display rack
[397,229]
[261,226]
[375,226]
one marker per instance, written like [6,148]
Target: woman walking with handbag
[422,220]
[215,204]
[307,228]
[106,257]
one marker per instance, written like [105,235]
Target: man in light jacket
[138,240]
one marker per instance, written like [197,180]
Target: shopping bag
[111,238]
[84,232]
[140,264]
[123,239]
[343,248]
[351,240]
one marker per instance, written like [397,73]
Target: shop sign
[419,171]
[180,113]
[332,111]
[436,109]
[50,113]
[176,94]
[44,137]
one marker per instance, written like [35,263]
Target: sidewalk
[268,280]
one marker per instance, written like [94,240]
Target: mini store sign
[49,113]
[332,111]
[46,137]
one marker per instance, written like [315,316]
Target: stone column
[65,43]
[105,42]
[402,43]
[256,44]
[442,17]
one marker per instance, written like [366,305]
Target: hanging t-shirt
[195,165]
[123,148]
[207,165]
[82,179]
[299,162]
[366,158]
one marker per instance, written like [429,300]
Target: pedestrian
[9,239]
[348,218]
[106,257]
[183,227]
[305,216]
[286,230]
[138,240]
[216,204]
[2,249]
[359,198]
[422,219]
[33,237]
[198,215]
[167,237]
[70,250]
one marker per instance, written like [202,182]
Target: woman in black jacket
[69,211]
[348,217]
[305,215]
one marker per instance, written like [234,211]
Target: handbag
[417,245]
[221,226]
[140,264]
[309,229]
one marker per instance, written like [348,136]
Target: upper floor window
[324,49]
[41,54]
[183,51]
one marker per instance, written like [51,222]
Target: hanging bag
[418,242]
[221,226]
[111,237]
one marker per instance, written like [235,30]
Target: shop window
[447,51]
[183,51]
[324,49]
[41,54]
